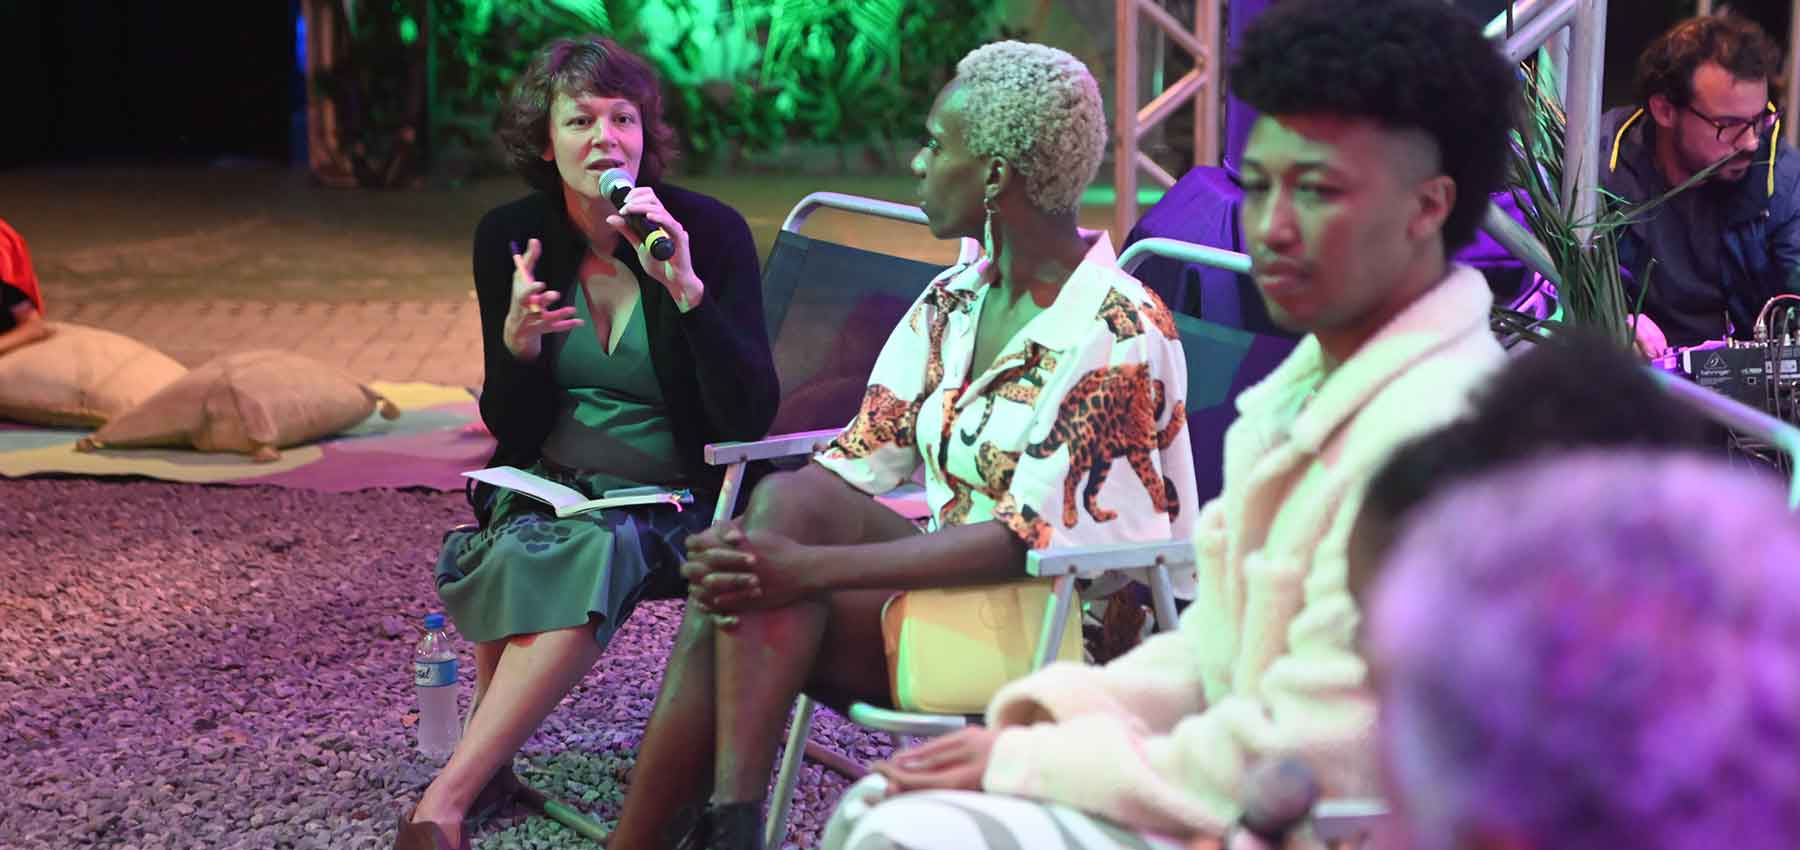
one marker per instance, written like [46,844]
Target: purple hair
[1596,651]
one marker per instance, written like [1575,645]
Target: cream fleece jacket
[1264,661]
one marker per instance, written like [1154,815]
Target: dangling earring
[987,227]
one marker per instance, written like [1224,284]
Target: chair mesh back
[1221,362]
[1202,208]
[830,308]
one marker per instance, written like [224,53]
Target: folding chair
[860,296]
[808,285]
[1216,355]
[1223,359]
[1201,209]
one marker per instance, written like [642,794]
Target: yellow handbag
[950,649]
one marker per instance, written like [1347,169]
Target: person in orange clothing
[21,303]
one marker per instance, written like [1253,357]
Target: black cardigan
[712,362]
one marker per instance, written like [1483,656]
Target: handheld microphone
[615,184]
[1278,795]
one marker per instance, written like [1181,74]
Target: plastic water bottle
[434,676]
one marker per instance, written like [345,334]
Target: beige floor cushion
[80,377]
[251,402]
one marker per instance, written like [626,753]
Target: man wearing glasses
[1728,244]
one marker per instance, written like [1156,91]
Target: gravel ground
[229,667]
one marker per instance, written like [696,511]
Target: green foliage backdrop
[741,76]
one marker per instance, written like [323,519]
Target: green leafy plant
[483,45]
[741,76]
[709,53]
[1583,250]
[376,85]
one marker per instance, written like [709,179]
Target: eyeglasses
[1730,130]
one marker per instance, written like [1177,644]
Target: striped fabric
[867,819]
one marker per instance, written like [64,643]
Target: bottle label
[434,674]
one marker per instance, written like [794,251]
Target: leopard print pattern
[1021,384]
[1025,522]
[1120,315]
[1127,319]
[995,466]
[1112,413]
[935,461]
[884,419]
[940,303]
[1158,314]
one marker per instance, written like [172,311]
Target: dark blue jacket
[1754,242]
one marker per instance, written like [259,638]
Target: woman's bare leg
[830,647]
[487,659]
[533,674]
[676,761]
[766,661]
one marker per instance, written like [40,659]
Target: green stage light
[1105,196]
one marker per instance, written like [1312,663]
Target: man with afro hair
[1382,133]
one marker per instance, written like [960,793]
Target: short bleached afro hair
[1039,109]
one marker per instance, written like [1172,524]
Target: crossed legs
[726,694]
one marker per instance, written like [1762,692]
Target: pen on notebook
[531,306]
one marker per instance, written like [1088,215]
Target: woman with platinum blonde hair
[1015,380]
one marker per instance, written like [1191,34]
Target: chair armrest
[906,722]
[1186,252]
[1090,561]
[767,448]
[1737,416]
[796,218]
[1347,820]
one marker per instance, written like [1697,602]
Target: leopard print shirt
[1076,435]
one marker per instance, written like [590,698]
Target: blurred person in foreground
[1594,651]
[606,369]
[1383,131]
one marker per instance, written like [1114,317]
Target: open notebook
[567,501]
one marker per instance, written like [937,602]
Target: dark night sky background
[88,80]
[105,79]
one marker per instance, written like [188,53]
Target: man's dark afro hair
[1406,64]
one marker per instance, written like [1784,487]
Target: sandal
[414,835]
[503,788]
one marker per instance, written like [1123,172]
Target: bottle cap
[433,622]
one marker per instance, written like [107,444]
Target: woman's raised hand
[676,274]
[529,317]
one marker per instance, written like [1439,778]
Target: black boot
[734,826]
[691,828]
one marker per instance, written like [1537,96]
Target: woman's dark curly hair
[1736,44]
[579,66]
[1405,64]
